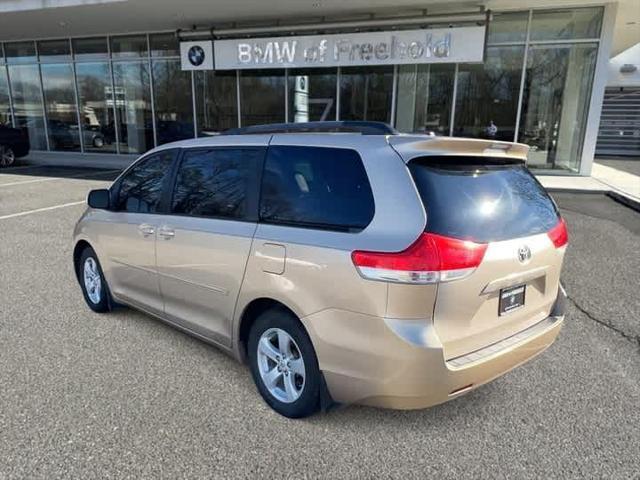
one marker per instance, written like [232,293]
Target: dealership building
[96,79]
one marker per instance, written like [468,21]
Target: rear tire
[92,282]
[283,364]
[7,156]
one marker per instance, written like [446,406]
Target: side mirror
[98,198]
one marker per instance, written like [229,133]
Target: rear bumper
[400,364]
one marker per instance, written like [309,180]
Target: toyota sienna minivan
[345,263]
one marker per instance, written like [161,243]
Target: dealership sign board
[441,45]
[444,45]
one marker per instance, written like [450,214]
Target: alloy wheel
[281,365]
[92,280]
[7,157]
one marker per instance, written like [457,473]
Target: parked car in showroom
[356,266]
[65,135]
[13,144]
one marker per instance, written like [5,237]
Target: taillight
[430,259]
[558,234]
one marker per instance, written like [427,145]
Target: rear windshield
[482,202]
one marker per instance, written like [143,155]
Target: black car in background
[13,144]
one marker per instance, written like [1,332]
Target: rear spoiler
[413,146]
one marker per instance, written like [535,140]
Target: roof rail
[363,128]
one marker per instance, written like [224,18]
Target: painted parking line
[44,209]
[51,179]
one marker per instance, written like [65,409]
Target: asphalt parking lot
[124,396]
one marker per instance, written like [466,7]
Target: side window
[316,187]
[141,187]
[216,183]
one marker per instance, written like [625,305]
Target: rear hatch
[497,206]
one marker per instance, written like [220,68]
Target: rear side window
[482,202]
[141,187]
[216,183]
[316,187]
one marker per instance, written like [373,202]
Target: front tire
[284,365]
[92,282]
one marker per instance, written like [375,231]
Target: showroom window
[164,45]
[60,105]
[487,95]
[312,94]
[131,46]
[173,103]
[85,49]
[54,51]
[20,52]
[424,98]
[555,103]
[569,24]
[262,94]
[216,101]
[5,103]
[27,103]
[366,93]
[97,114]
[134,120]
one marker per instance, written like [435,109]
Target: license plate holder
[511,299]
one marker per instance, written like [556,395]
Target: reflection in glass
[5,106]
[555,103]
[566,24]
[27,103]
[424,98]
[214,183]
[141,187]
[216,101]
[90,48]
[54,51]
[173,102]
[508,27]
[96,107]
[129,46]
[164,45]
[487,97]
[312,94]
[133,106]
[20,52]
[60,104]
[365,93]
[262,97]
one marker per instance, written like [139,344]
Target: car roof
[358,135]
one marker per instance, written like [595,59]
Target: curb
[624,200]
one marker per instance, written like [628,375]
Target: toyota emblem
[524,254]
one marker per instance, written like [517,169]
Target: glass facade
[216,101]
[366,93]
[496,80]
[127,93]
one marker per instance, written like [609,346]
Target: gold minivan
[364,266]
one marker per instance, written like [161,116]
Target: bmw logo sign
[196,55]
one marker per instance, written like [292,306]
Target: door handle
[145,229]
[167,232]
